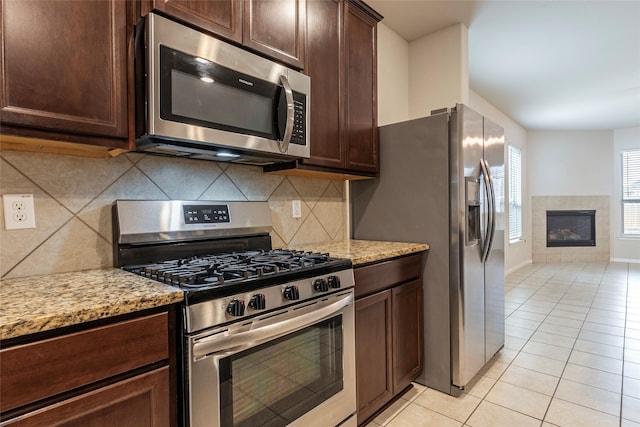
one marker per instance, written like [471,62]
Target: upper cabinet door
[64,66]
[276,28]
[222,17]
[361,107]
[324,66]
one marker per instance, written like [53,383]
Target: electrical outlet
[19,211]
[296,209]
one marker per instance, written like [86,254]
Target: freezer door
[494,265]
[467,276]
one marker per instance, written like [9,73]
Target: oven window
[279,381]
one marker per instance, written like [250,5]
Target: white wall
[393,77]
[570,163]
[622,249]
[584,163]
[516,254]
[438,71]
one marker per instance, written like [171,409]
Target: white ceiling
[549,65]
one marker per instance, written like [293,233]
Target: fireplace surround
[570,228]
[539,249]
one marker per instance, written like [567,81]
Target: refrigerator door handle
[491,199]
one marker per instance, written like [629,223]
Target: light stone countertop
[364,251]
[41,303]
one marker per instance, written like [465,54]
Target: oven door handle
[243,340]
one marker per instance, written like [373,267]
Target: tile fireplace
[568,228]
[568,232]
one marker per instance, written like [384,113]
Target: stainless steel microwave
[202,98]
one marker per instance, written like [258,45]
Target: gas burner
[205,271]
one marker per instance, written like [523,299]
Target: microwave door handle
[288,132]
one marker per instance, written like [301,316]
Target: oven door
[292,367]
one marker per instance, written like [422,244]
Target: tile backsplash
[73,198]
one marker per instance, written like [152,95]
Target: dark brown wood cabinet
[407,346]
[389,349]
[341,61]
[118,371]
[373,353]
[360,88]
[65,74]
[274,28]
[139,401]
[221,17]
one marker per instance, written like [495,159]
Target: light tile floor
[571,356]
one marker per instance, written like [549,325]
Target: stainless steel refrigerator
[441,182]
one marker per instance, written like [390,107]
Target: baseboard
[517,267]
[629,260]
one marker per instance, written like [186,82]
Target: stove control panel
[256,302]
[206,214]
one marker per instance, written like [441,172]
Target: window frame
[626,194]
[515,195]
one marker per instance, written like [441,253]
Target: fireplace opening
[571,228]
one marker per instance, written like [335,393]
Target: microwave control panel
[206,214]
[299,118]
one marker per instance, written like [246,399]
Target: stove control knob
[334,282]
[320,285]
[257,302]
[291,293]
[236,307]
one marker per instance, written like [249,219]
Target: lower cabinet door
[407,334]
[373,353]
[139,401]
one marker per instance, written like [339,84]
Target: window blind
[515,193]
[631,192]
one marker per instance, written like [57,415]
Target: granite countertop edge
[362,252]
[34,304]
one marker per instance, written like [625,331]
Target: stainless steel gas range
[266,336]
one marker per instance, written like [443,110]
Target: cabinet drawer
[44,368]
[383,275]
[138,401]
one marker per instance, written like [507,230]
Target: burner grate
[236,267]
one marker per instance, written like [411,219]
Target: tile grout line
[529,340]
[553,396]
[624,346]
[546,283]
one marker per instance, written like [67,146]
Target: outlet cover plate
[296,209]
[19,211]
